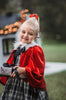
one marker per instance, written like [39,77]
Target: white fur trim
[27,46]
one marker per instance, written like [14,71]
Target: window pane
[10,45]
[4,47]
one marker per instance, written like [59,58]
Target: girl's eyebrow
[22,30]
[31,30]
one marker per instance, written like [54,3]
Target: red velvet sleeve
[10,59]
[35,68]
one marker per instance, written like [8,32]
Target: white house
[8,33]
[6,47]
[9,25]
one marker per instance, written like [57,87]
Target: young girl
[28,60]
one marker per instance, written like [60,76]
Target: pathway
[52,67]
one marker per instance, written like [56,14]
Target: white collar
[27,46]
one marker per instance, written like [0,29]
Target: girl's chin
[24,42]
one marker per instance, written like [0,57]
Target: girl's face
[27,35]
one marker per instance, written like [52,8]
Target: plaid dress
[17,89]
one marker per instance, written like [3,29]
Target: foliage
[52,16]
[51,12]
[3,4]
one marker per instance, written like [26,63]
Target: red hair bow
[34,15]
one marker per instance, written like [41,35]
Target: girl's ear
[35,37]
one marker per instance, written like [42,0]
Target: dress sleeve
[10,59]
[35,68]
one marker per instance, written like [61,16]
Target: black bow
[19,51]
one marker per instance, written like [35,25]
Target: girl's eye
[23,32]
[30,34]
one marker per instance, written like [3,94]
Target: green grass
[54,51]
[1,89]
[56,83]
[56,86]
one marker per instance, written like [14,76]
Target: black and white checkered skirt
[19,90]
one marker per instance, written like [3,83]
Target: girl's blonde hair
[33,23]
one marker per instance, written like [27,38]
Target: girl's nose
[26,34]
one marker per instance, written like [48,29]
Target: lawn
[56,83]
[54,51]
[1,89]
[56,86]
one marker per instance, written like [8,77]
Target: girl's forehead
[26,26]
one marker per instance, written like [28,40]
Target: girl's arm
[35,69]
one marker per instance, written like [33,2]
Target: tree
[52,16]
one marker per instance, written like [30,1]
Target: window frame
[6,43]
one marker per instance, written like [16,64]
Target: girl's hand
[20,70]
[13,74]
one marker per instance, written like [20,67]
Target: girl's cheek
[20,40]
[21,35]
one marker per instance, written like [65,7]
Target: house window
[8,45]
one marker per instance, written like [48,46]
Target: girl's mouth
[25,39]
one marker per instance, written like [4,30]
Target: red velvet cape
[34,62]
